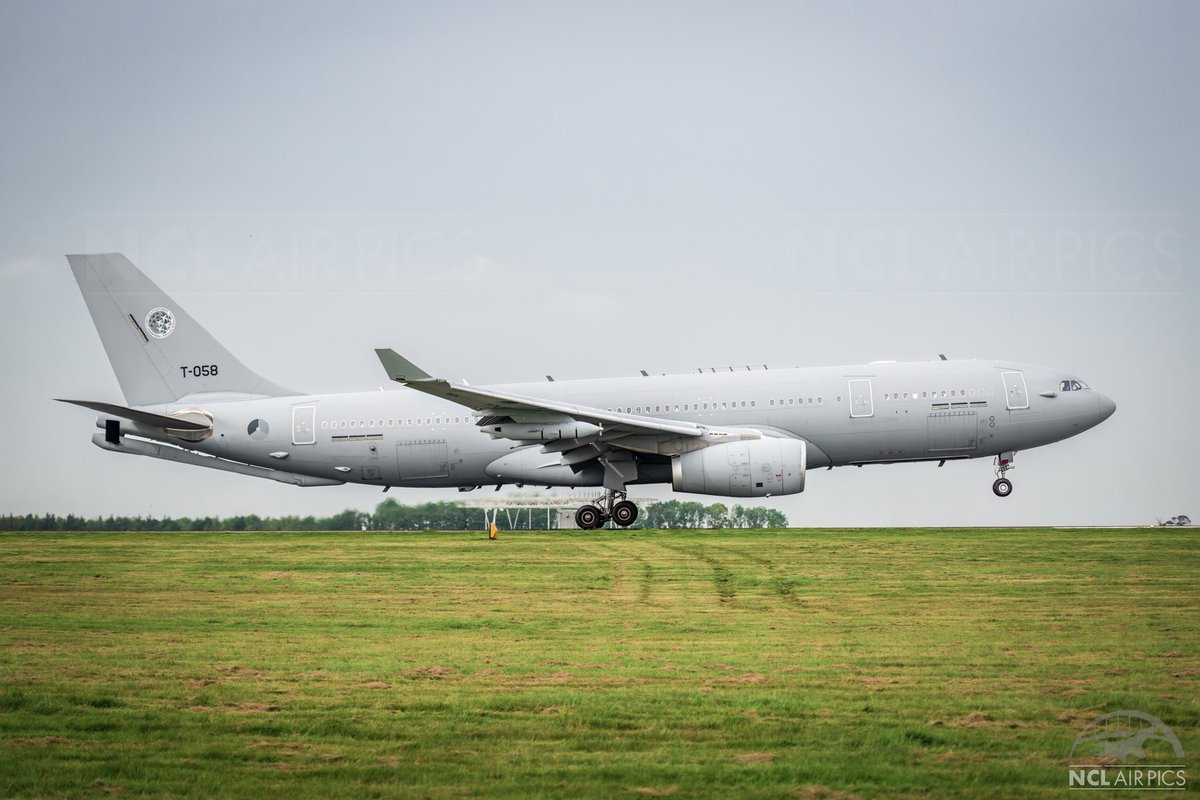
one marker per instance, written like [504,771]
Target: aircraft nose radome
[1107,406]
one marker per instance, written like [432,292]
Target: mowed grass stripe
[756,663]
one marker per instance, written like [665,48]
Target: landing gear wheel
[588,518]
[1004,462]
[625,513]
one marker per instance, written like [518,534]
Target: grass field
[688,663]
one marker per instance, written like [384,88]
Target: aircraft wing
[580,434]
[494,403]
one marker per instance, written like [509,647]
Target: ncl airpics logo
[160,322]
[1127,750]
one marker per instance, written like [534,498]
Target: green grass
[569,664]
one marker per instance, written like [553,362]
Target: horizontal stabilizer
[143,417]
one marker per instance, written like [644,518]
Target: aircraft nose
[1106,406]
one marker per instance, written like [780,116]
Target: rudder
[158,352]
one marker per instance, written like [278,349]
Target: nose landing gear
[1002,486]
[623,512]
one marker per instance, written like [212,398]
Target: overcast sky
[505,190]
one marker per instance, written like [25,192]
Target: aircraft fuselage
[873,413]
[733,433]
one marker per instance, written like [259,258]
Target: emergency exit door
[304,425]
[1015,394]
[862,404]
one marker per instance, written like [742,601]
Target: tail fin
[159,353]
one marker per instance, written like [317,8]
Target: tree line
[393,516]
[346,520]
[689,514]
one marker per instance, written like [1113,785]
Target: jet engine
[751,468]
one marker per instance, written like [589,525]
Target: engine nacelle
[751,468]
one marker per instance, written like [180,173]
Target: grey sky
[501,191]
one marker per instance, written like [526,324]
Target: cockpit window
[1068,385]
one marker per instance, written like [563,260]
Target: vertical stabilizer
[159,353]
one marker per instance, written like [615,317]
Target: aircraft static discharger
[735,433]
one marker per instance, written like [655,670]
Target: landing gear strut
[623,512]
[1002,487]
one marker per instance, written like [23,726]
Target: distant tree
[667,514]
[716,516]
[348,520]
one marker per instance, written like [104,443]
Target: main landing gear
[623,512]
[1002,487]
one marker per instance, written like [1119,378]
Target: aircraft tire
[588,518]
[625,513]
[1002,487]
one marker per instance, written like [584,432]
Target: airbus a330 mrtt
[737,432]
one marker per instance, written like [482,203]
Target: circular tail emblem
[160,322]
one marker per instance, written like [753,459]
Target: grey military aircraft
[734,432]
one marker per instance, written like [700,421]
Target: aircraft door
[304,425]
[862,404]
[1015,393]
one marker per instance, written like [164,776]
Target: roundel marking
[160,322]
[258,429]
